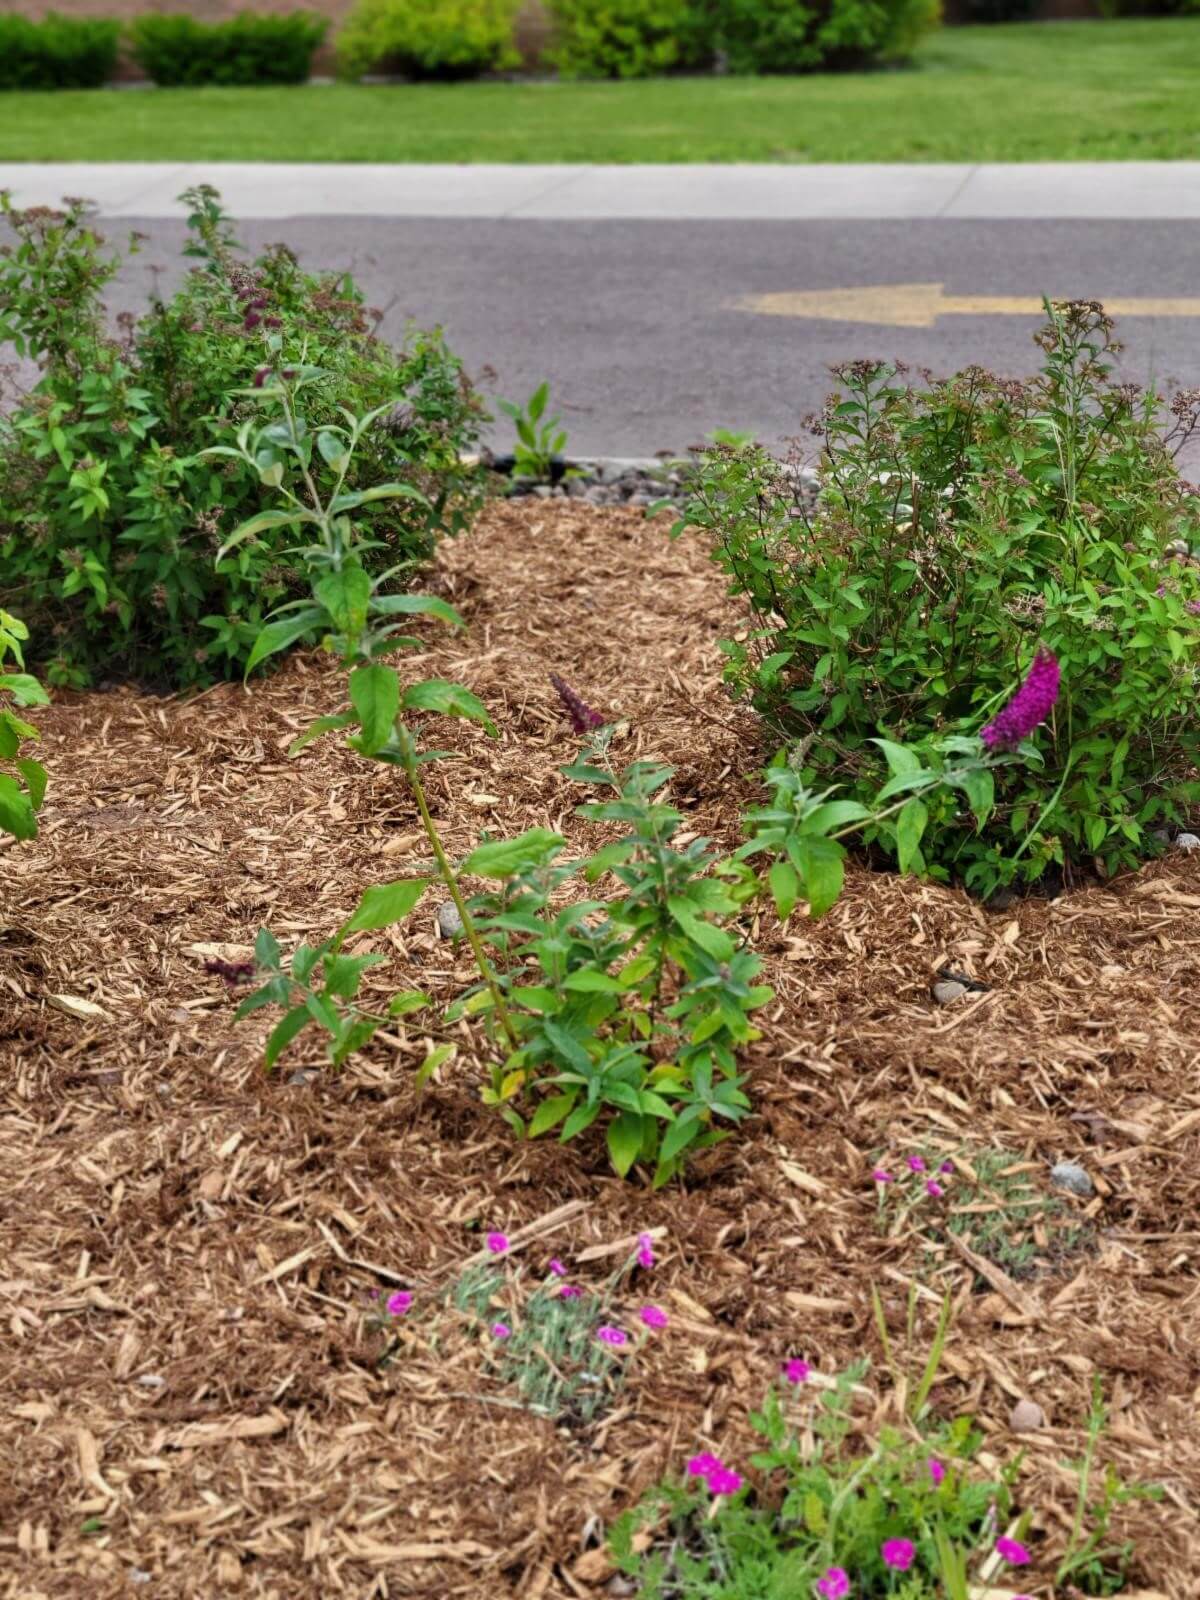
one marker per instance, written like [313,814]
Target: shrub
[57,53]
[249,48]
[110,515]
[627,38]
[959,525]
[438,39]
[791,36]
[23,787]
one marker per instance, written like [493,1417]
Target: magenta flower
[936,1470]
[557,1268]
[645,1250]
[583,718]
[570,1291]
[915,1164]
[1030,706]
[654,1316]
[935,1189]
[834,1585]
[723,1480]
[500,1330]
[613,1336]
[796,1371]
[399,1303]
[497,1243]
[700,1466]
[880,1176]
[1013,1552]
[898,1553]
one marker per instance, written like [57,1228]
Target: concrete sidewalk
[1102,191]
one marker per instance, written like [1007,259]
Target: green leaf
[411,1000]
[414,605]
[439,1054]
[785,888]
[900,759]
[980,790]
[282,1034]
[680,1134]
[334,448]
[266,950]
[712,940]
[820,863]
[624,1138]
[35,777]
[343,719]
[381,491]
[506,857]
[910,825]
[550,1113]
[16,810]
[567,1046]
[451,699]
[375,695]
[345,595]
[277,636]
[259,524]
[589,981]
[26,691]
[381,905]
[580,1119]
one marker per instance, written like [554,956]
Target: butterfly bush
[965,532]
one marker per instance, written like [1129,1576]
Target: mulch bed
[192,1400]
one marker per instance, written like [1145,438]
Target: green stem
[450,879]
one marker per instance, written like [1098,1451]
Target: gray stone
[1026,1417]
[1068,1175]
[150,1380]
[449,923]
[1187,842]
[139,1575]
[303,1076]
[946,991]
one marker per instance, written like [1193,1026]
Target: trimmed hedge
[439,40]
[178,51]
[57,53]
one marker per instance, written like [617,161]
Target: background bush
[628,38]
[57,53]
[766,36]
[437,39]
[959,526]
[247,49]
[110,516]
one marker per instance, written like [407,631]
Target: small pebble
[1068,1175]
[139,1575]
[1188,842]
[303,1076]
[1026,1417]
[449,923]
[946,991]
[150,1380]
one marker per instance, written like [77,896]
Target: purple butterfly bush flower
[1030,706]
[583,718]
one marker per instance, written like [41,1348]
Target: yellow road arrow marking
[919,305]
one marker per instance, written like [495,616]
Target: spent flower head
[583,718]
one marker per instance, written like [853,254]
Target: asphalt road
[638,327]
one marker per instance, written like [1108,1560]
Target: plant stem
[450,879]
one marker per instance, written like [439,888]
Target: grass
[1029,92]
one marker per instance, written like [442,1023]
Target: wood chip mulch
[192,1403]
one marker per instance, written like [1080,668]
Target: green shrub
[960,525]
[110,517]
[791,36]
[23,786]
[57,53]
[627,38]
[438,39]
[247,49]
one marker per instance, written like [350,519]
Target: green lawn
[1029,92]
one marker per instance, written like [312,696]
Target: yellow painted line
[919,305]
